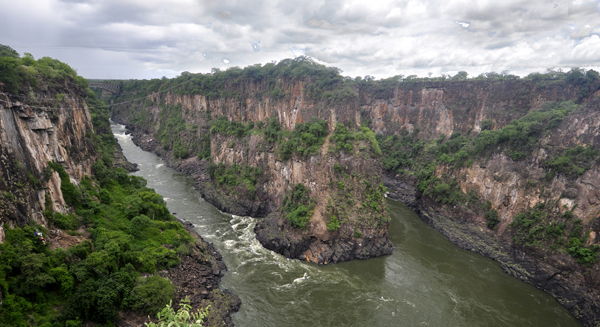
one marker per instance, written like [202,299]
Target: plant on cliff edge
[297,206]
[492,218]
[334,224]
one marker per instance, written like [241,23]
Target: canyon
[507,182]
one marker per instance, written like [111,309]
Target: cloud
[319,23]
[224,14]
[381,38]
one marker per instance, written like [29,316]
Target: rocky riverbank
[199,273]
[198,277]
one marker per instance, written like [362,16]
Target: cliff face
[31,136]
[436,108]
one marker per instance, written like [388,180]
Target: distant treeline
[326,83]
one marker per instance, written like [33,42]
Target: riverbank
[558,275]
[197,276]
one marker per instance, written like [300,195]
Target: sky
[143,39]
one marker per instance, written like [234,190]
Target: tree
[460,76]
[6,51]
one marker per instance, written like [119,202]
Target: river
[427,281]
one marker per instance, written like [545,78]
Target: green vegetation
[19,73]
[344,139]
[400,152]
[436,164]
[71,194]
[132,232]
[492,218]
[171,128]
[544,227]
[91,280]
[518,139]
[334,224]
[321,82]
[225,127]
[297,206]
[182,318]
[305,140]
[235,175]
[575,161]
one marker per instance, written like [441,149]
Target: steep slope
[50,122]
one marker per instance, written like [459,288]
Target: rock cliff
[33,131]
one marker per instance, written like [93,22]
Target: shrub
[492,218]
[306,139]
[297,206]
[182,318]
[343,138]
[151,293]
[486,124]
[334,224]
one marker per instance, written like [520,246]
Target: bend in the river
[427,281]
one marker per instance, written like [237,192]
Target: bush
[343,138]
[152,293]
[306,139]
[492,218]
[65,221]
[334,224]
[297,206]
[486,124]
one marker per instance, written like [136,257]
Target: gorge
[502,167]
[505,167]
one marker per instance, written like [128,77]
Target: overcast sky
[120,39]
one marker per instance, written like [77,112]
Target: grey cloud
[319,23]
[404,36]
[224,14]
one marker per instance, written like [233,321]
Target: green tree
[6,51]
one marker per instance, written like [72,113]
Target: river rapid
[427,281]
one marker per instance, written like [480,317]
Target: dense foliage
[131,232]
[298,206]
[305,140]
[544,226]
[323,83]
[346,139]
[235,175]
[18,73]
